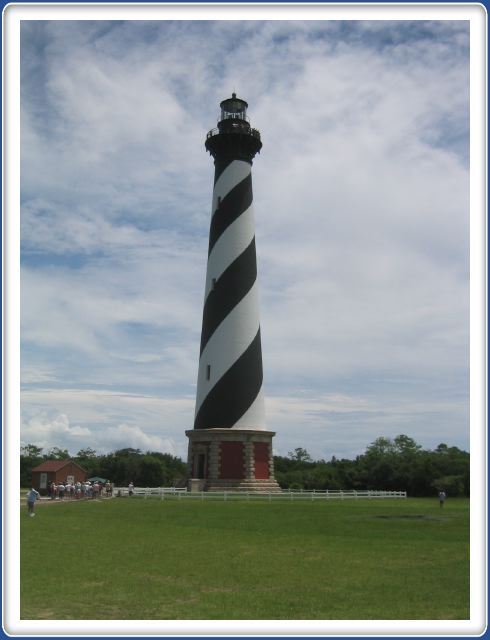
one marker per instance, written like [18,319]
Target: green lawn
[180,560]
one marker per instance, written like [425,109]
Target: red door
[261,453]
[231,461]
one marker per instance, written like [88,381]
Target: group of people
[76,490]
[79,490]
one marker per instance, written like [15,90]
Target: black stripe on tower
[236,201]
[235,392]
[233,285]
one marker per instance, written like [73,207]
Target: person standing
[442,498]
[32,496]
[130,488]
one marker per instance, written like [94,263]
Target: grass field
[180,560]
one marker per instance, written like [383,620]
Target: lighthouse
[230,447]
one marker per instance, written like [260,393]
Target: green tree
[381,447]
[86,454]
[128,451]
[31,451]
[89,460]
[300,455]
[378,464]
[149,472]
[30,457]
[406,446]
[451,466]
[452,485]
[55,453]
[173,468]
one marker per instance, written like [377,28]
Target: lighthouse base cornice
[231,460]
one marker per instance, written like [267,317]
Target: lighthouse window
[208,372]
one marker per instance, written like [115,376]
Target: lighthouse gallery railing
[236,128]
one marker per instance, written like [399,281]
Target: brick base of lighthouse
[230,460]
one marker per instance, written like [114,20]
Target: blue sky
[361,196]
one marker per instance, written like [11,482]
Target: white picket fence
[178,493]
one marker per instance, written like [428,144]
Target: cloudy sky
[361,197]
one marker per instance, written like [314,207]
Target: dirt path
[45,501]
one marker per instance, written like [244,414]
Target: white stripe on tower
[227,344]
[230,245]
[231,176]
[229,387]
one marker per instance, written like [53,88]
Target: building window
[208,372]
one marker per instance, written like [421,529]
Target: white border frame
[12,15]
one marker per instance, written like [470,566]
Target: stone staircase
[252,486]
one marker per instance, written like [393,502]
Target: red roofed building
[56,471]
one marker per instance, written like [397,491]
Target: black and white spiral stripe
[229,386]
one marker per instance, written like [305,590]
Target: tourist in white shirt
[32,496]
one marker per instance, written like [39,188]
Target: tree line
[392,465]
[398,464]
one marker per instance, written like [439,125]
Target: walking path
[43,501]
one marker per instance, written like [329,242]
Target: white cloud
[132,436]
[47,433]
[345,424]
[105,420]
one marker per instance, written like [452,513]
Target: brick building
[56,471]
